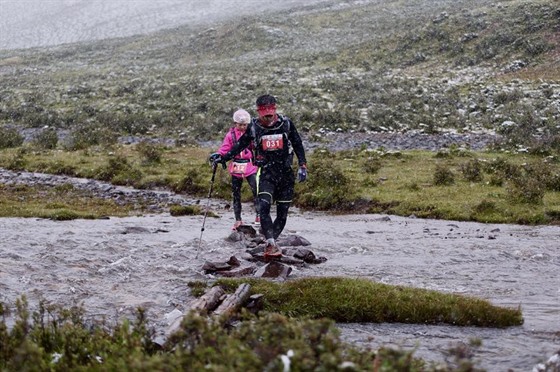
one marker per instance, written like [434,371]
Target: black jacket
[274,145]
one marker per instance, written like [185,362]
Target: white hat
[241,116]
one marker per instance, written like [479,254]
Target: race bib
[272,142]
[238,168]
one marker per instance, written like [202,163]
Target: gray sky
[30,23]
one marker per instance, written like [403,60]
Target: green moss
[360,300]
[57,203]
[184,210]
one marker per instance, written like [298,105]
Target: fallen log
[205,303]
[233,301]
[208,301]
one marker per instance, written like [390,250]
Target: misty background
[40,23]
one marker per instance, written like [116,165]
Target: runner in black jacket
[275,139]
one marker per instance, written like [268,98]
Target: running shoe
[271,250]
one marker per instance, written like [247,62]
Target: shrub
[149,152]
[502,169]
[443,176]
[119,171]
[60,167]
[485,206]
[46,139]
[553,183]
[496,180]
[328,188]
[127,177]
[10,137]
[525,190]
[530,184]
[472,170]
[504,97]
[86,135]
[17,162]
[371,165]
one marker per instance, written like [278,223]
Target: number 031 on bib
[272,142]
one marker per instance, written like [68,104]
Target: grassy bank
[497,187]
[363,301]
[297,322]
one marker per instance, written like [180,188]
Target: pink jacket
[241,169]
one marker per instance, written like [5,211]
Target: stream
[112,266]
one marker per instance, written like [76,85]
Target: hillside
[369,66]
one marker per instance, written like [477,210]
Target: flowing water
[113,266]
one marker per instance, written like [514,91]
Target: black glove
[302,173]
[216,159]
[215,156]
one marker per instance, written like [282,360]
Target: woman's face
[241,126]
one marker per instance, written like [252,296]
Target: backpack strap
[233,136]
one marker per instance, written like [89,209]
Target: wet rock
[293,241]
[383,219]
[135,230]
[255,251]
[246,256]
[304,254]
[233,261]
[273,269]
[235,237]
[212,267]
[246,271]
[291,260]
[247,230]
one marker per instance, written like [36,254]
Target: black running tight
[273,229]
[236,183]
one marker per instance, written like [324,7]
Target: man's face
[267,114]
[267,120]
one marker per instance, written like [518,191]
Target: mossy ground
[360,300]
[57,203]
[492,187]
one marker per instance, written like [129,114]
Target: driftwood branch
[203,304]
[233,301]
[208,301]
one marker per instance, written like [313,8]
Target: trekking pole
[214,167]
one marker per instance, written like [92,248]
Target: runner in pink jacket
[241,167]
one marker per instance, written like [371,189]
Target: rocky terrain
[335,68]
